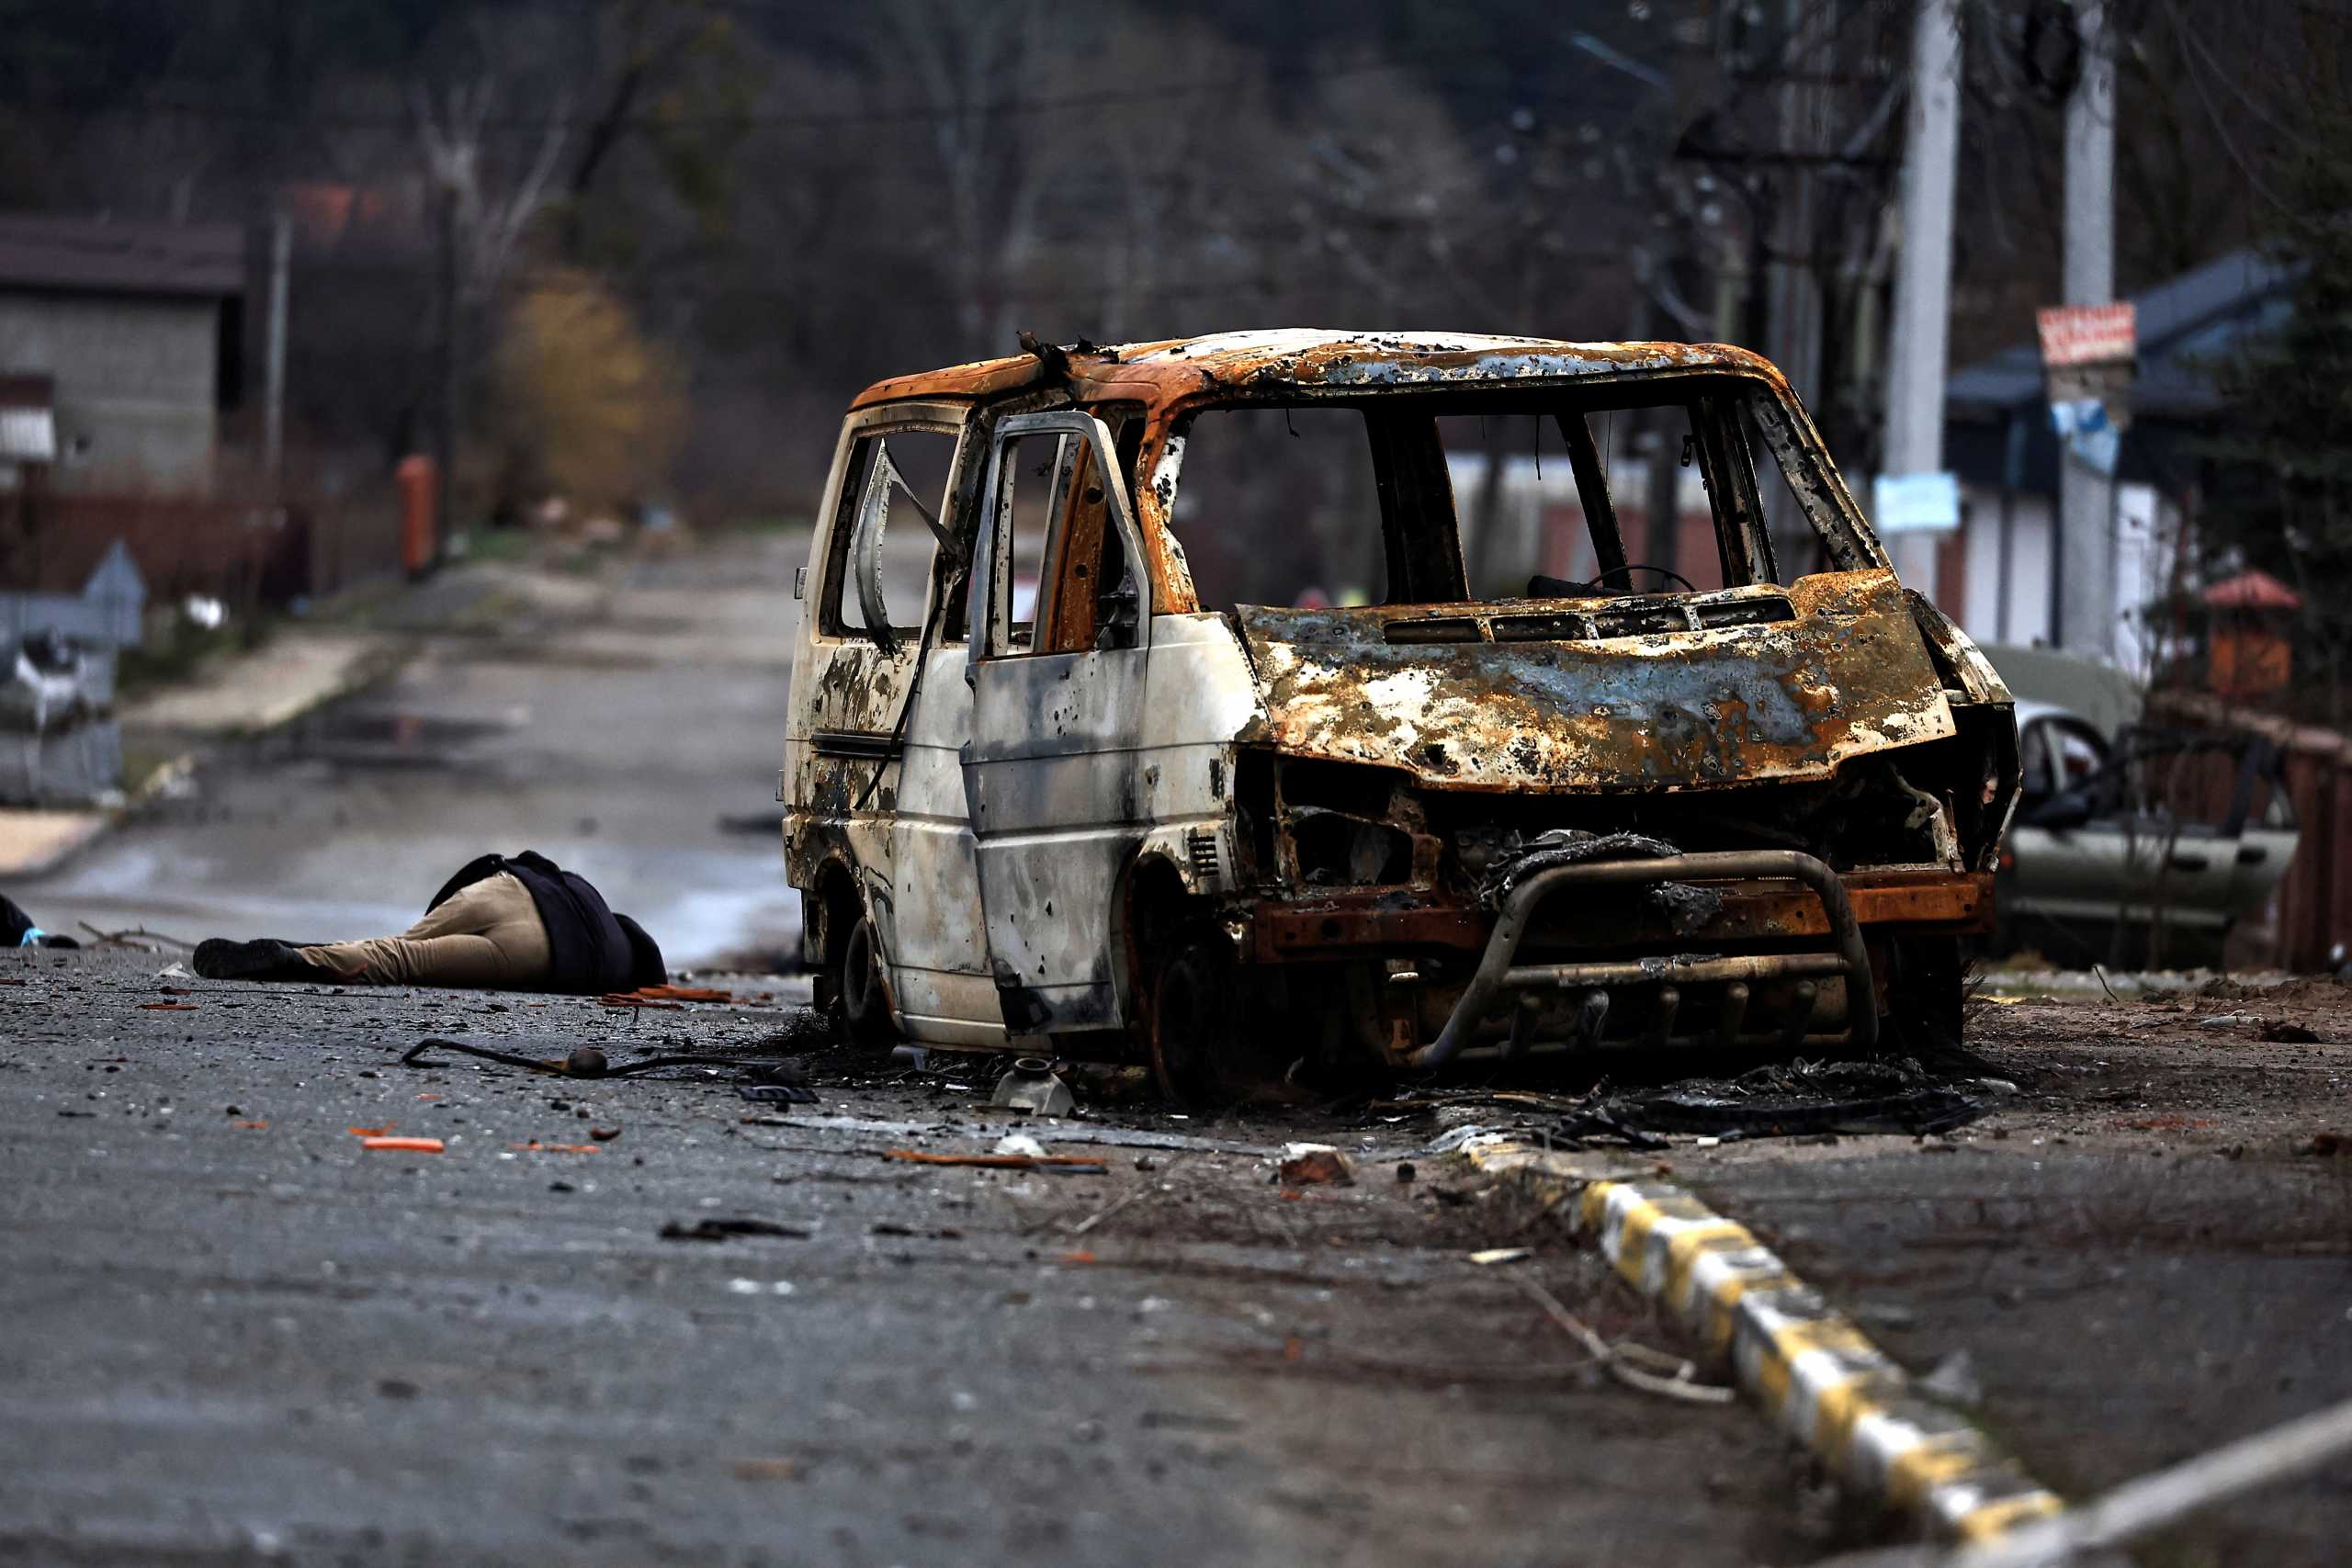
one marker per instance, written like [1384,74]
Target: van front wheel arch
[858,998]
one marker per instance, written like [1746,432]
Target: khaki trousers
[487,934]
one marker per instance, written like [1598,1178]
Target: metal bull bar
[1498,975]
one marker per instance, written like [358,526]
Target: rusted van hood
[1845,675]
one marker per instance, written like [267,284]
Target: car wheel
[861,1002]
[1192,1025]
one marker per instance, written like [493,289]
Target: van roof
[1181,369]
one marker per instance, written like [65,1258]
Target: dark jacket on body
[590,949]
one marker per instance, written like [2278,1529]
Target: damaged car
[1146,705]
[2145,851]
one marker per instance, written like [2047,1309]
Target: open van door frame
[1050,770]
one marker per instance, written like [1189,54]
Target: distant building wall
[137,381]
[2012,606]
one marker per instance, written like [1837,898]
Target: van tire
[1925,998]
[861,1000]
[1192,1023]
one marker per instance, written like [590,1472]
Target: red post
[416,475]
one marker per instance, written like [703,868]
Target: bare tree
[963,66]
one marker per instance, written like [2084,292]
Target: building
[133,331]
[1996,576]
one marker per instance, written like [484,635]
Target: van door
[882,712]
[1058,699]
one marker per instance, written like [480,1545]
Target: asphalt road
[232,1333]
[2142,1254]
[235,1334]
[617,719]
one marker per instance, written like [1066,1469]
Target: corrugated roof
[108,256]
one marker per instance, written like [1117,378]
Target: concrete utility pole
[1918,351]
[273,429]
[445,429]
[2084,622]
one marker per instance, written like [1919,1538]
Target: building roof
[1189,369]
[2186,324]
[2253,590]
[105,255]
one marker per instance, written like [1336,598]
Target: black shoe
[266,958]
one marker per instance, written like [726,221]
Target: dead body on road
[518,924]
[17,930]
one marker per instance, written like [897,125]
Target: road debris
[1494,1255]
[587,1062]
[1783,1099]
[1072,1165]
[728,1230]
[680,994]
[1635,1366]
[138,937]
[1955,1381]
[389,1145]
[1314,1165]
[1030,1086]
[777,1093]
[765,1469]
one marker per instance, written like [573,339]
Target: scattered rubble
[1783,1099]
[1312,1165]
[1029,1086]
[729,1230]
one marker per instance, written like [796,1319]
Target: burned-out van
[1378,700]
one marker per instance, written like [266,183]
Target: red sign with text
[2088,334]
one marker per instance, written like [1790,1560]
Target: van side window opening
[1090,568]
[1404,498]
[882,546]
[1040,470]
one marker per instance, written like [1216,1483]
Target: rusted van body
[1063,802]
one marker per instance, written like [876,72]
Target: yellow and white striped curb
[1815,1374]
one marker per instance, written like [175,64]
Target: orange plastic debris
[369,1132]
[617,1000]
[1081,1256]
[256,1126]
[403,1146]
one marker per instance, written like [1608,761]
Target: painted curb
[1815,1374]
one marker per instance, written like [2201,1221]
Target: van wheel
[1192,1025]
[861,1004]
[1925,996]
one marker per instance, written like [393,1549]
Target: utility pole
[1917,355]
[2085,589]
[273,429]
[445,429]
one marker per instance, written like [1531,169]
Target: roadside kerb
[1814,1372]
